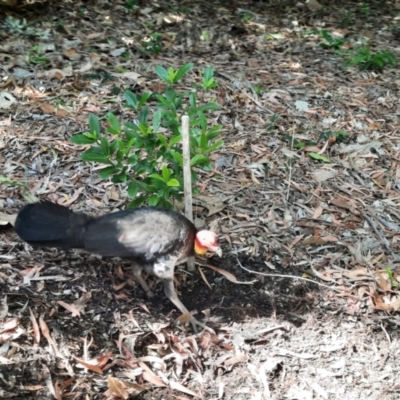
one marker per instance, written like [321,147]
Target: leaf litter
[285,195]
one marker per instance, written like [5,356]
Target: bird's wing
[142,234]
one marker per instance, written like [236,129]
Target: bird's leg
[170,292]
[138,277]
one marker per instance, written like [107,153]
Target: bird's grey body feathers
[153,238]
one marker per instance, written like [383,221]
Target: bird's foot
[195,323]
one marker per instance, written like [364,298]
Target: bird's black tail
[47,224]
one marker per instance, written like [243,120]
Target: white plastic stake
[187,178]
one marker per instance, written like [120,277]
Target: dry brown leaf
[89,365]
[156,360]
[313,240]
[5,361]
[315,149]
[205,340]
[102,360]
[36,330]
[134,388]
[355,273]
[142,305]
[70,308]
[383,283]
[153,379]
[50,109]
[213,204]
[47,378]
[296,240]
[344,203]
[9,325]
[395,304]
[30,272]
[379,303]
[204,278]
[185,318]
[236,359]
[229,276]
[72,54]
[11,335]
[82,301]
[116,288]
[329,238]
[317,213]
[58,388]
[117,387]
[121,296]
[33,387]
[46,334]
[183,389]
[130,317]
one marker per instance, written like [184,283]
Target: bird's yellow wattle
[199,249]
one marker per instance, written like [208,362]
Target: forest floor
[304,195]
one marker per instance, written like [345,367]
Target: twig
[380,237]
[187,178]
[289,276]
[290,170]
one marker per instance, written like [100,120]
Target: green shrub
[145,153]
[367,60]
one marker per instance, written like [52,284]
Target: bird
[153,238]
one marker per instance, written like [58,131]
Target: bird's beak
[217,250]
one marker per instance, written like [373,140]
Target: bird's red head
[206,240]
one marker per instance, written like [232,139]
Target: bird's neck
[198,248]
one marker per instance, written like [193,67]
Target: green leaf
[131,99]
[209,107]
[95,156]
[107,171]
[81,139]
[182,71]
[299,145]
[162,140]
[177,157]
[94,125]
[175,139]
[214,146]
[133,189]
[143,98]
[137,202]
[157,120]
[213,132]
[203,141]
[144,115]
[162,73]
[104,146]
[173,182]
[165,203]
[209,74]
[166,173]
[163,100]
[115,128]
[193,102]
[158,185]
[132,160]
[153,200]
[156,176]
[113,146]
[317,156]
[199,159]
[119,178]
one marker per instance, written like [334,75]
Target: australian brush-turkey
[153,238]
